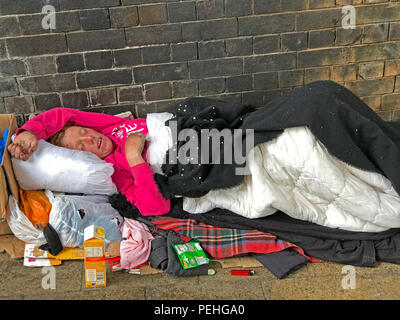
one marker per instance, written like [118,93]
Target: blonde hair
[58,137]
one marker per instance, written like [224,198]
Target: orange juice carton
[95,260]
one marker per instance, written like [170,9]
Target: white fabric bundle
[64,170]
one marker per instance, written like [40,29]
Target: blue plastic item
[3,142]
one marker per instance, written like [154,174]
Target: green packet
[191,254]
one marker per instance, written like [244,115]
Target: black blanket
[347,127]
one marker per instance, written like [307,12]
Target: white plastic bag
[64,170]
[20,225]
[70,215]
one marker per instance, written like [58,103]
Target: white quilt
[296,174]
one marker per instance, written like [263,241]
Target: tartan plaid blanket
[224,242]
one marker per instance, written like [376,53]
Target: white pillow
[64,170]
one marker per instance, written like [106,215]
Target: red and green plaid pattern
[224,242]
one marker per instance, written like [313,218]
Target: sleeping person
[113,139]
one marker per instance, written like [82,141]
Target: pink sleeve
[48,123]
[140,189]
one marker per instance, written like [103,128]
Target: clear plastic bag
[20,225]
[69,216]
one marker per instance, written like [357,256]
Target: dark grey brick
[291,78]
[316,4]
[156,34]
[184,51]
[113,110]
[124,17]
[348,36]
[215,68]
[182,11]
[156,54]
[377,13]
[41,65]
[239,83]
[44,84]
[256,25]
[319,19]
[294,41]
[210,9]
[376,51]
[3,50]
[270,6]
[10,68]
[8,7]
[394,31]
[293,5]
[96,40]
[375,33]
[103,97]
[323,57]
[98,60]
[70,63]
[129,2]
[186,88]
[9,27]
[67,21]
[36,45]
[130,94]
[158,91]
[239,46]
[19,104]
[8,87]
[75,99]
[266,44]
[271,62]
[316,74]
[3,107]
[265,80]
[321,38]
[153,14]
[237,8]
[103,78]
[164,72]
[47,101]
[209,30]
[211,49]
[94,19]
[87,4]
[211,86]
[127,57]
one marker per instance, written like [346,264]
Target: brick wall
[143,55]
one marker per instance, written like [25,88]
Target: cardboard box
[95,259]
[8,183]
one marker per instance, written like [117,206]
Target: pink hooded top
[136,183]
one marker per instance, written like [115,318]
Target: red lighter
[242,272]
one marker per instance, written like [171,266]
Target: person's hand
[23,145]
[134,145]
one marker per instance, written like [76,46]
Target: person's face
[86,139]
